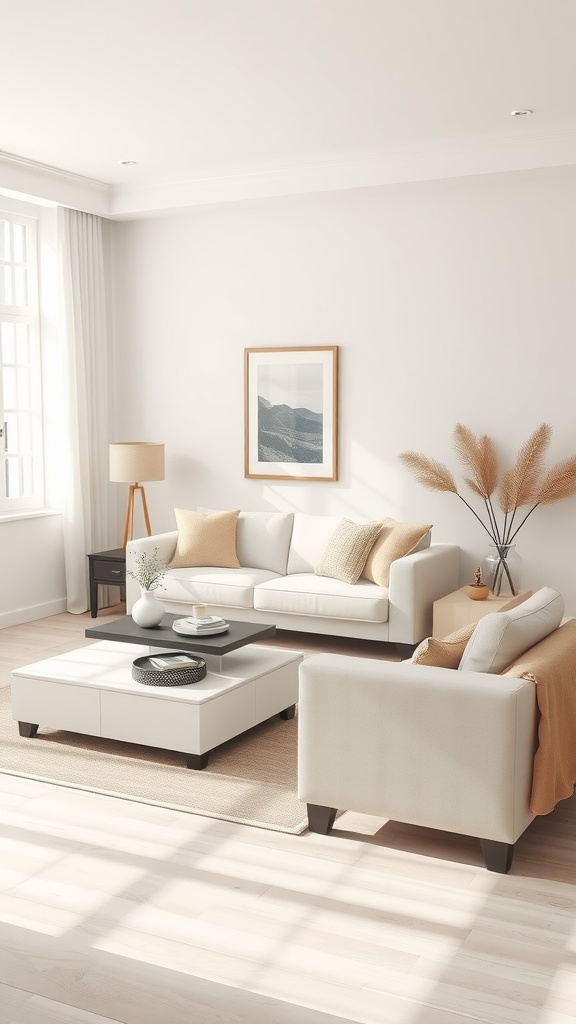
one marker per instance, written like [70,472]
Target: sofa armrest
[416,581]
[434,747]
[166,544]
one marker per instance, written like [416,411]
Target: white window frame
[28,314]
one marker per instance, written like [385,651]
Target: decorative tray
[144,672]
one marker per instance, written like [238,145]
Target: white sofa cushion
[502,637]
[307,594]
[209,585]
[262,539]
[310,535]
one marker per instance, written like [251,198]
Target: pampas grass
[525,485]
[429,472]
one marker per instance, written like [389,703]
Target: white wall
[32,583]
[450,301]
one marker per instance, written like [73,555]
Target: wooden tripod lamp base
[129,523]
[136,460]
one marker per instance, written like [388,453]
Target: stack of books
[205,624]
[195,626]
[169,662]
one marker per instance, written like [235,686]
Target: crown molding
[431,161]
[33,180]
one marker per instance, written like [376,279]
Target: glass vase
[502,570]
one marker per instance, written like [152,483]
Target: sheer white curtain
[85,413]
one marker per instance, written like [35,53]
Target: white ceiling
[228,99]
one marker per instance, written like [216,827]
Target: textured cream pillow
[395,540]
[205,540]
[444,653]
[502,637]
[345,553]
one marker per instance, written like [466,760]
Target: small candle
[199,611]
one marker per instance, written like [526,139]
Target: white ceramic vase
[147,610]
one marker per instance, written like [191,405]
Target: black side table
[108,568]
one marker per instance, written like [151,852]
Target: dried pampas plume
[429,472]
[525,485]
[479,456]
[559,482]
[520,484]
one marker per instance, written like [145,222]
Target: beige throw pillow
[445,653]
[205,540]
[344,556]
[394,541]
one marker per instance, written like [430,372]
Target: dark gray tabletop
[126,631]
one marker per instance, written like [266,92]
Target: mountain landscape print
[288,435]
[291,413]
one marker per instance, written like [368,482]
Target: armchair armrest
[434,747]
[166,544]
[416,581]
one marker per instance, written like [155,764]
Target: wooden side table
[457,610]
[107,568]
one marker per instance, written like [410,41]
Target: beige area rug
[250,779]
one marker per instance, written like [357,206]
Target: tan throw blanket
[551,664]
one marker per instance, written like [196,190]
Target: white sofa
[444,748]
[277,584]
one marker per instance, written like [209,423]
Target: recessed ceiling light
[127,163]
[520,113]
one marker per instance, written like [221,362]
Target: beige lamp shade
[130,463]
[134,461]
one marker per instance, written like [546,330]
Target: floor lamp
[130,463]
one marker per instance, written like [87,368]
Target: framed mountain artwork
[291,413]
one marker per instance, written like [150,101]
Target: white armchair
[440,748]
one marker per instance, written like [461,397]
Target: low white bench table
[91,690]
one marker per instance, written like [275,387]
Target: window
[21,461]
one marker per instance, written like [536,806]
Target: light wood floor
[120,913]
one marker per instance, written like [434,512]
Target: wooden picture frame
[291,413]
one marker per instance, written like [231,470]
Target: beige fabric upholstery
[344,556]
[307,594]
[205,540]
[394,541]
[429,746]
[262,539]
[445,653]
[212,586]
[502,637]
[302,601]
[310,535]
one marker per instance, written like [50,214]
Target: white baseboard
[39,611]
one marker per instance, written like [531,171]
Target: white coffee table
[91,690]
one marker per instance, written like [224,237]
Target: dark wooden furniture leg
[320,819]
[93,599]
[27,729]
[405,650]
[197,761]
[288,713]
[497,856]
